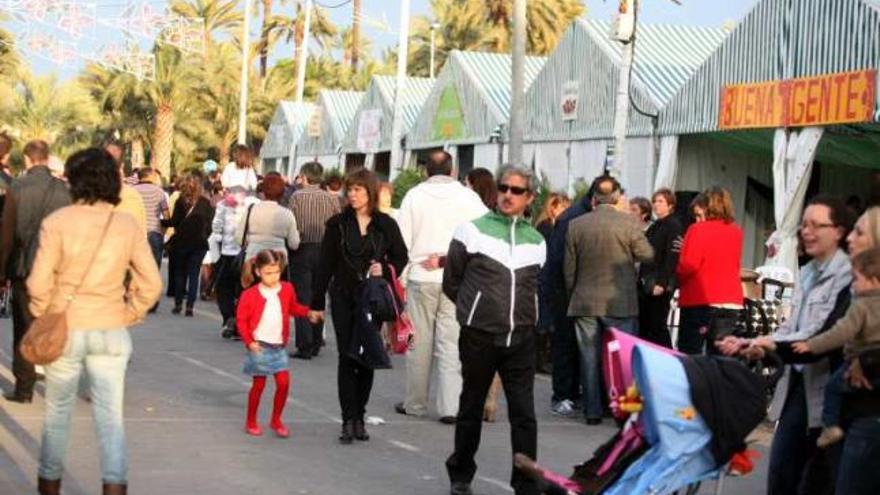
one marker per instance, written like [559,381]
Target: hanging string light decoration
[77,18]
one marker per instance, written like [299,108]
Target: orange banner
[840,98]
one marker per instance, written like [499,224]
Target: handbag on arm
[46,337]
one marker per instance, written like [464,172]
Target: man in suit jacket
[601,252]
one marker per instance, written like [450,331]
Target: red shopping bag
[402,332]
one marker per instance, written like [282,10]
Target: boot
[115,489]
[347,436]
[360,431]
[48,487]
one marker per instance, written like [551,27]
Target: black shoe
[40,377]
[447,420]
[315,350]
[154,308]
[176,309]
[594,421]
[347,436]
[360,431]
[461,488]
[301,354]
[400,409]
[17,397]
[227,333]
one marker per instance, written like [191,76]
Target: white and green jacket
[492,271]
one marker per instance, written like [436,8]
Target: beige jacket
[857,331]
[68,238]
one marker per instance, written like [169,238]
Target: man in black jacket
[30,199]
[492,275]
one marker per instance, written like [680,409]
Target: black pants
[186,274]
[699,323]
[228,286]
[354,381]
[653,311]
[566,360]
[797,465]
[303,263]
[22,369]
[481,358]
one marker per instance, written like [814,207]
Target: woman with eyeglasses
[821,297]
[709,272]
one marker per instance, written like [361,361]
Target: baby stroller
[676,430]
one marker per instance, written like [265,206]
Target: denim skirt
[271,359]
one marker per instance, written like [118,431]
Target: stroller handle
[772,359]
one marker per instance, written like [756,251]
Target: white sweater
[234,176]
[427,218]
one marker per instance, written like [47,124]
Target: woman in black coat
[191,220]
[359,242]
[657,279]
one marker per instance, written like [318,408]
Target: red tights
[282,385]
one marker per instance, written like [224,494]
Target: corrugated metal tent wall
[337,112]
[284,131]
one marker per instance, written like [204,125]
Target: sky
[377,13]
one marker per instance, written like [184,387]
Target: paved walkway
[184,415]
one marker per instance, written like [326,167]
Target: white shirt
[234,176]
[270,327]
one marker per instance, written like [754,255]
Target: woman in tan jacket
[89,246]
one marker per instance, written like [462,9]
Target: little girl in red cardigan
[263,320]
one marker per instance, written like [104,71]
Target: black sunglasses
[517,191]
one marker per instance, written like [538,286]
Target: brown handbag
[46,337]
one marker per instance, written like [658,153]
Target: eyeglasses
[515,190]
[816,226]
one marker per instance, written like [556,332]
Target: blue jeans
[186,275]
[104,354]
[157,246]
[589,331]
[834,390]
[860,459]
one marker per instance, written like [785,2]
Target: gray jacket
[817,304]
[31,198]
[271,226]
[601,252]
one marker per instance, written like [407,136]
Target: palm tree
[8,57]
[59,113]
[264,44]
[290,29]
[355,34]
[221,16]
[352,51]
[462,27]
[547,21]
[170,97]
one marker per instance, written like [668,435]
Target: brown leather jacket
[68,237]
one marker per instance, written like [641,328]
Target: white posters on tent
[569,103]
[315,123]
[369,130]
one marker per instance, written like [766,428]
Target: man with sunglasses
[491,273]
[601,252]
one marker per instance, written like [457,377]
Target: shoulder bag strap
[247,226]
[91,260]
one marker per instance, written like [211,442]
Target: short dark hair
[483,183]
[439,163]
[366,179]
[839,213]
[93,176]
[868,263]
[666,194]
[144,173]
[5,144]
[37,150]
[313,172]
[606,190]
[273,186]
[644,206]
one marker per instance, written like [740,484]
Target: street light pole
[302,56]
[397,121]
[245,65]
[517,99]
[625,33]
[433,47]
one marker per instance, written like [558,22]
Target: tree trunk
[225,145]
[355,34]
[264,38]
[163,140]
[137,154]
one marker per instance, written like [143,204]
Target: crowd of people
[497,288]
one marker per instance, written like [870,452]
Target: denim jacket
[817,304]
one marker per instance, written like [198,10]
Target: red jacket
[709,265]
[250,310]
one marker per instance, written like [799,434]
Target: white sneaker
[564,407]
